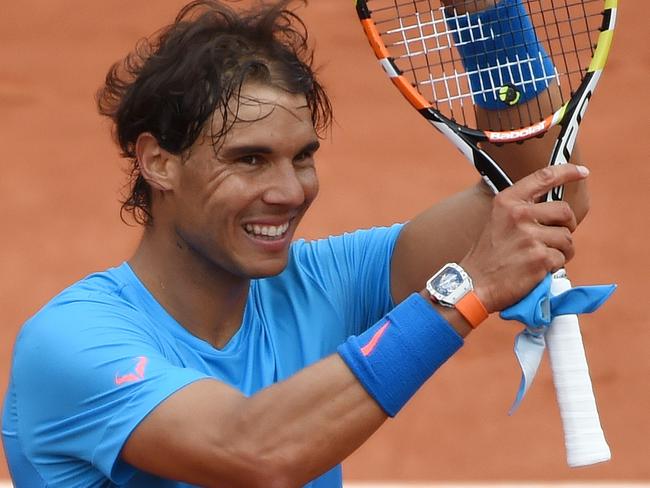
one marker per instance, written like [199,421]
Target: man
[222,354]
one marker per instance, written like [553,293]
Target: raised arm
[446,231]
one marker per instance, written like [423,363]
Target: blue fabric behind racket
[500,51]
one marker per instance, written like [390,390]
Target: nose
[285,186]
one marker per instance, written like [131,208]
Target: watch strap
[472,309]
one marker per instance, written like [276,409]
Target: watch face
[446,283]
[449,285]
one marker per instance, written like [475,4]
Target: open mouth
[267,232]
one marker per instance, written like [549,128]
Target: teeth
[267,230]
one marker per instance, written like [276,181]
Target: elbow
[279,467]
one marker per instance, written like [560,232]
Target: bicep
[184,437]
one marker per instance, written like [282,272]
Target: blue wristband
[505,62]
[394,358]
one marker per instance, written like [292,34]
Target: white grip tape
[583,435]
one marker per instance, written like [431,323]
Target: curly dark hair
[173,83]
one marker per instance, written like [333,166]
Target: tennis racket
[537,60]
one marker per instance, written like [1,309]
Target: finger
[557,260]
[543,180]
[546,259]
[558,238]
[556,213]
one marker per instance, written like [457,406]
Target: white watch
[452,287]
[449,285]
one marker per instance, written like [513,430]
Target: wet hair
[173,84]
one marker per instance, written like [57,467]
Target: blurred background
[61,179]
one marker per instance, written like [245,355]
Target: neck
[207,300]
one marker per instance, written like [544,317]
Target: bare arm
[211,435]
[446,231]
[291,432]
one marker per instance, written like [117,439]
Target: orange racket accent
[375,41]
[411,94]
[472,309]
[404,86]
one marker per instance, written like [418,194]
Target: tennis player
[223,353]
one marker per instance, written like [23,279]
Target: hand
[523,240]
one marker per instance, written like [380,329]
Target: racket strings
[419,26]
[556,75]
[424,37]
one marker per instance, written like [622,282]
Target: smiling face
[237,208]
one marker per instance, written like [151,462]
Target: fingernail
[583,170]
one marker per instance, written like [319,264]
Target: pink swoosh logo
[136,375]
[368,348]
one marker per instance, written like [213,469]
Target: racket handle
[583,435]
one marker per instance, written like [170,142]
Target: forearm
[447,231]
[519,160]
[318,417]
[441,234]
[311,422]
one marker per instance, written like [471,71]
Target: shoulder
[336,266]
[87,334]
[96,304]
[380,239]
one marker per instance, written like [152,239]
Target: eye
[305,158]
[250,159]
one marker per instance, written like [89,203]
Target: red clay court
[383,163]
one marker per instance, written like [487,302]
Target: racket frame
[585,444]
[468,140]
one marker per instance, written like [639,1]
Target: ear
[157,166]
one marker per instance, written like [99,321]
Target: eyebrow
[310,147]
[237,151]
